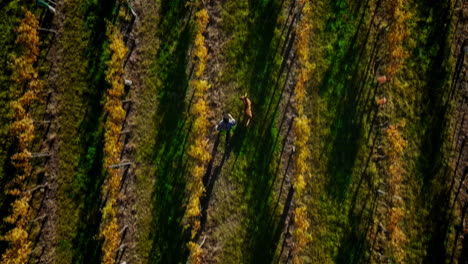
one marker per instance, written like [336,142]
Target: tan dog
[248,108]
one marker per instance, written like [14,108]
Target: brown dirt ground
[46,242]
[459,161]
[134,203]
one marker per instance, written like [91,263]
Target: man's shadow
[212,174]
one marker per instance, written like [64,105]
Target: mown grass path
[76,164]
[242,210]
[342,93]
[163,147]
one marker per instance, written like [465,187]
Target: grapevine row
[25,76]
[395,143]
[302,131]
[396,35]
[112,146]
[396,171]
[198,149]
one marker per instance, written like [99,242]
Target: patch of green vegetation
[169,159]
[10,14]
[344,195]
[162,148]
[81,86]
[255,65]
[145,132]
[347,139]
[430,226]
[342,109]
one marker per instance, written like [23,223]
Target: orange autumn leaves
[395,170]
[396,35]
[398,31]
[112,146]
[302,131]
[25,77]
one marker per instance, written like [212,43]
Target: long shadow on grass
[89,177]
[260,144]
[354,244]
[5,199]
[340,88]
[167,232]
[436,192]
[346,76]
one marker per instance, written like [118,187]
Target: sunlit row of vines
[397,33]
[25,77]
[302,131]
[395,167]
[112,146]
[394,238]
[198,148]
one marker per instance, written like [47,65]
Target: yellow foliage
[198,151]
[28,97]
[395,171]
[303,32]
[200,86]
[195,253]
[302,131]
[110,233]
[301,128]
[396,35]
[15,192]
[197,172]
[20,208]
[300,232]
[395,215]
[24,131]
[20,247]
[112,146]
[25,75]
[193,208]
[200,51]
[396,140]
[200,108]
[202,20]
[398,238]
[300,183]
[198,146]
[28,36]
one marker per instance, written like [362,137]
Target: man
[227,123]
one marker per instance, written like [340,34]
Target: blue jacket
[226,125]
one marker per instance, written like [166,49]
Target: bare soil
[459,162]
[134,202]
[46,241]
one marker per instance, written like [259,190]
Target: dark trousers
[228,136]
